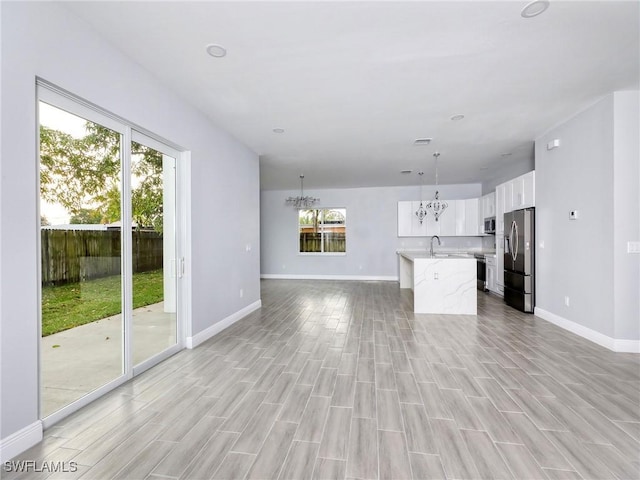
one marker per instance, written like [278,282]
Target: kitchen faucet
[435,236]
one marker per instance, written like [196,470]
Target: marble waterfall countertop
[442,283]
[442,252]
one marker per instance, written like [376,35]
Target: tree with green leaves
[83,175]
[86,216]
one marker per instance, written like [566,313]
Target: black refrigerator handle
[514,255]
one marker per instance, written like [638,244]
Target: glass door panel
[153,207]
[81,244]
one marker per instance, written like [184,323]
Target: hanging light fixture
[301,200]
[436,206]
[421,212]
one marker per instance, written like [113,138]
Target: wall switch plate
[566,301]
[633,247]
[573,215]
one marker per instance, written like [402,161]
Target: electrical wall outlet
[633,247]
[555,143]
[241,293]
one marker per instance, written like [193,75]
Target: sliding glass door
[109,269]
[154,264]
[81,256]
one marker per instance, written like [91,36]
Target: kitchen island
[442,283]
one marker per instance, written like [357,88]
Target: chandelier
[436,206]
[421,213]
[301,200]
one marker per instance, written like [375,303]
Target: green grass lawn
[68,306]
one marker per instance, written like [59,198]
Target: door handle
[180,267]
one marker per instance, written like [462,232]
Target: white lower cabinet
[499,264]
[491,273]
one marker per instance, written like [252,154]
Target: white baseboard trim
[613,344]
[18,442]
[206,334]
[279,276]
[626,346]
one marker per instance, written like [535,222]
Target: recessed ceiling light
[217,51]
[406,171]
[457,118]
[422,141]
[535,8]
[278,130]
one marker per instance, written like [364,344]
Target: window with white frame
[322,230]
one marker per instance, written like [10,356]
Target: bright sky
[53,117]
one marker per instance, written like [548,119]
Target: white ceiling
[354,83]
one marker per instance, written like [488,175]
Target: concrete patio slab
[81,359]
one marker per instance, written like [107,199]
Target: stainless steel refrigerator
[519,264]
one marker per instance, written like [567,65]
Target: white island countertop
[442,283]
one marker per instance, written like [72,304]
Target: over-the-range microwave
[490,225]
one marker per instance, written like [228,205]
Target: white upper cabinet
[433,227]
[408,222]
[500,192]
[471,216]
[524,191]
[489,205]
[508,196]
[418,229]
[517,193]
[460,218]
[404,219]
[448,219]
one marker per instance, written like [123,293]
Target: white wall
[594,171]
[372,231]
[44,39]
[626,220]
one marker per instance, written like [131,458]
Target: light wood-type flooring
[335,379]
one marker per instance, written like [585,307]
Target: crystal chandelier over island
[421,213]
[301,200]
[436,206]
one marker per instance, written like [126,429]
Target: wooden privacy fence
[311,242]
[70,256]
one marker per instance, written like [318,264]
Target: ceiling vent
[422,141]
